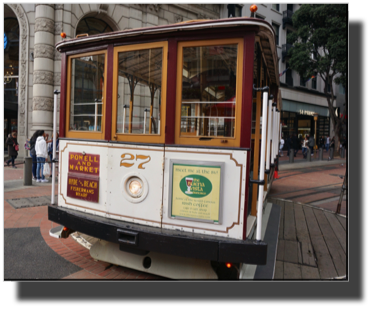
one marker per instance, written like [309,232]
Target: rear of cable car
[161,156]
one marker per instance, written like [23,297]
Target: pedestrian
[282,142]
[305,146]
[322,142]
[42,157]
[12,148]
[295,144]
[50,151]
[311,145]
[289,143]
[327,145]
[33,140]
[332,145]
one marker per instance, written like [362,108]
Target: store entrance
[304,127]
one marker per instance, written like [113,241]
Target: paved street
[30,253]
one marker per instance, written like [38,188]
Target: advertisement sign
[83,177]
[87,164]
[195,191]
[83,187]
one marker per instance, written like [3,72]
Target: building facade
[301,98]
[32,66]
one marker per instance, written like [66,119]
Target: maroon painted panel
[171,92]
[108,110]
[62,111]
[83,187]
[246,195]
[87,164]
[246,113]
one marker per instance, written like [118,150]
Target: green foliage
[322,31]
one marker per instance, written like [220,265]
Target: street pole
[56,92]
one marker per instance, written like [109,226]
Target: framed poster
[195,191]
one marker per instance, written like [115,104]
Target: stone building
[32,66]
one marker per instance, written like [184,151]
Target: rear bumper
[135,237]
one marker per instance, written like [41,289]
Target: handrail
[81,35]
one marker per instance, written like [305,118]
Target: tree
[320,48]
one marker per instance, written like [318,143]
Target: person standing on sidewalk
[332,144]
[33,152]
[42,157]
[305,146]
[282,142]
[327,143]
[322,142]
[50,151]
[12,148]
[311,145]
[289,143]
[295,144]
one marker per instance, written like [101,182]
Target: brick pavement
[66,248]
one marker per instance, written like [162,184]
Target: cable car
[168,147]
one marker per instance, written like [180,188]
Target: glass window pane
[86,98]
[209,91]
[139,91]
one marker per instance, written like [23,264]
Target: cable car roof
[266,34]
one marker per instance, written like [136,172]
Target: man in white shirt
[327,143]
[282,142]
[42,156]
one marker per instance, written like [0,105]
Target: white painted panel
[147,210]
[113,199]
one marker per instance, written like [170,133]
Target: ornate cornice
[43,51]
[178,18]
[57,79]
[58,28]
[45,4]
[154,7]
[43,77]
[42,103]
[44,24]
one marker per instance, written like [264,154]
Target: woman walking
[12,148]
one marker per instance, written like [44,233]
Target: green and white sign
[196,191]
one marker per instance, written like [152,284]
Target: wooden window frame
[213,141]
[96,135]
[133,137]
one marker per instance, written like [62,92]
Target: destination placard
[87,164]
[196,192]
[83,187]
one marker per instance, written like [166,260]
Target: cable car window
[139,92]
[86,90]
[209,91]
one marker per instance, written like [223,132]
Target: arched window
[11,63]
[92,26]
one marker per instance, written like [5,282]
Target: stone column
[43,75]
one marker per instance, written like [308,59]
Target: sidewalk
[73,260]
[300,162]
